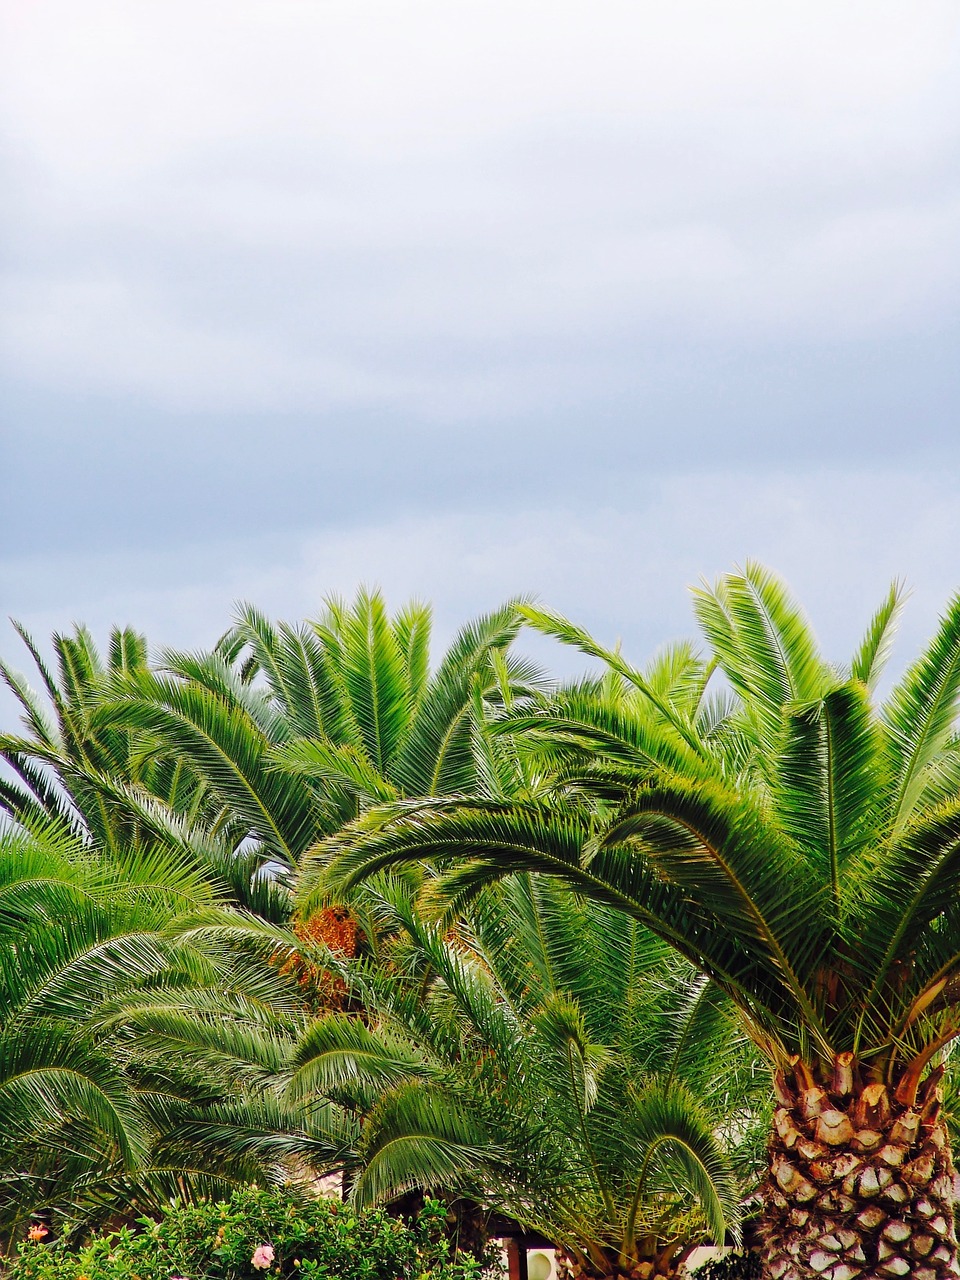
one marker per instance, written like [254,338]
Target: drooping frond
[420,1138]
[554,624]
[597,726]
[677,1138]
[340,1054]
[229,748]
[336,769]
[678,892]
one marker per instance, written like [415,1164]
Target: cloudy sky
[470,298]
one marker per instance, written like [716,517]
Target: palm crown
[295,729]
[801,845]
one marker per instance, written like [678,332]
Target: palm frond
[374,676]
[554,624]
[340,1054]
[437,755]
[873,654]
[667,1124]
[224,744]
[830,768]
[763,643]
[562,1033]
[418,1138]
[921,711]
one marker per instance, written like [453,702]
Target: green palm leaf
[920,714]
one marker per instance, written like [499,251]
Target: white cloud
[99,332]
[304,264]
[126,87]
[247,205]
[620,570]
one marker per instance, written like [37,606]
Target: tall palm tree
[801,847]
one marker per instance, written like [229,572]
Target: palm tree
[116,789]
[801,847]
[540,1057]
[91,1125]
[536,1058]
[293,730]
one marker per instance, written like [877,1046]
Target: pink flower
[262,1257]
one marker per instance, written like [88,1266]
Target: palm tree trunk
[577,1267]
[861,1182]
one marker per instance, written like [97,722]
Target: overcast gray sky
[464,299]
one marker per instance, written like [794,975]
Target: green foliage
[121,789]
[550,1058]
[542,1057]
[291,731]
[735,1266]
[91,1119]
[774,865]
[320,1239]
[797,843]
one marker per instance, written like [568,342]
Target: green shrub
[259,1235]
[735,1266]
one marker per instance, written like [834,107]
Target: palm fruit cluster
[337,929]
[861,1183]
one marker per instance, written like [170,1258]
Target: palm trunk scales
[861,1180]
[662,1266]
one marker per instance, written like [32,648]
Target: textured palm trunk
[660,1267]
[861,1181]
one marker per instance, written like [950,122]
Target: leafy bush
[259,1235]
[734,1266]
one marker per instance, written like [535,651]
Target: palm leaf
[419,1138]
[920,713]
[830,768]
[874,652]
[763,643]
